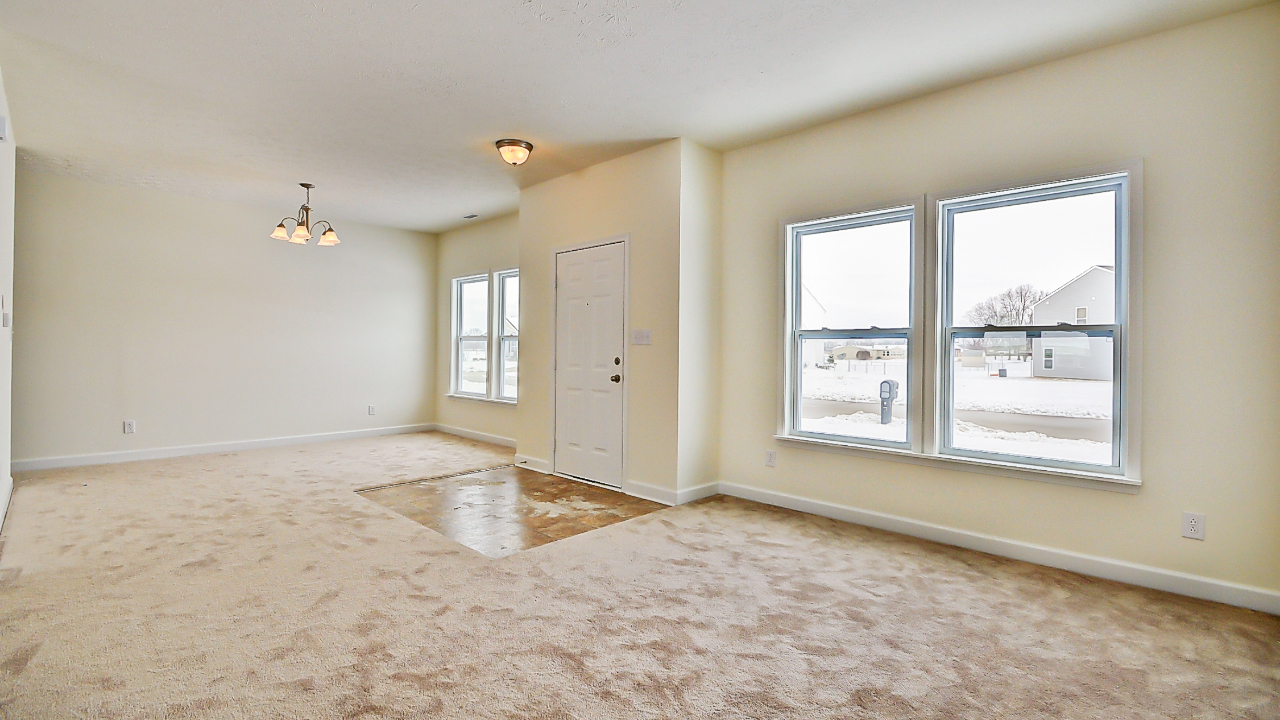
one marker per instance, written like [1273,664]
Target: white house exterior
[868,352]
[1088,299]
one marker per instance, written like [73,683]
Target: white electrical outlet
[371,410]
[129,427]
[770,458]
[1193,525]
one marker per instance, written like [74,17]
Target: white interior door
[589,363]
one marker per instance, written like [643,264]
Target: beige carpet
[258,585]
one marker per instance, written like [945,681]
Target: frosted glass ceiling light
[513,151]
[303,226]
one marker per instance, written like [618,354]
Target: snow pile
[857,425]
[968,436]
[1030,444]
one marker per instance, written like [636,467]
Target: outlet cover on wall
[770,458]
[1193,525]
[641,337]
[372,410]
[129,427]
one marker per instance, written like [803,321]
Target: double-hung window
[486,328]
[1035,272]
[508,332]
[1017,354]
[851,327]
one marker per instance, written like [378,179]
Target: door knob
[616,378]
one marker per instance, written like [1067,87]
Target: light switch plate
[641,337]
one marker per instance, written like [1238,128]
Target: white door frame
[625,239]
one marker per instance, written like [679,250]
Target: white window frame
[493,340]
[502,337]
[928,345]
[909,211]
[1082,319]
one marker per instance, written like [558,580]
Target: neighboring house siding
[1076,358]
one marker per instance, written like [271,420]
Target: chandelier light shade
[302,226]
[513,151]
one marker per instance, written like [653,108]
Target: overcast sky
[1044,243]
[861,277]
[475,308]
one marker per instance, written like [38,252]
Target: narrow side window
[471,336]
[507,365]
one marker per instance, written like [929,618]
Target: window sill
[480,398]
[1074,478]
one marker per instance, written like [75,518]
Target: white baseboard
[534,464]
[688,495]
[1255,598]
[105,458]
[667,496]
[649,492]
[473,435]
[6,492]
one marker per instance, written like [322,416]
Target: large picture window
[1022,343]
[486,326]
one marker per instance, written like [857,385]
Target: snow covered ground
[970,437]
[975,389]
[1030,444]
[858,425]
[857,381]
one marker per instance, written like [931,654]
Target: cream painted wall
[472,250]
[637,195]
[7,182]
[182,315]
[698,450]
[1201,106]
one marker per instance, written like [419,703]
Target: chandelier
[303,226]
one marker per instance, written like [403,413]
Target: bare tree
[1011,307]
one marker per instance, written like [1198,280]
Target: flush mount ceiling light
[513,151]
[303,226]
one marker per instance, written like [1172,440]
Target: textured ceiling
[391,106]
